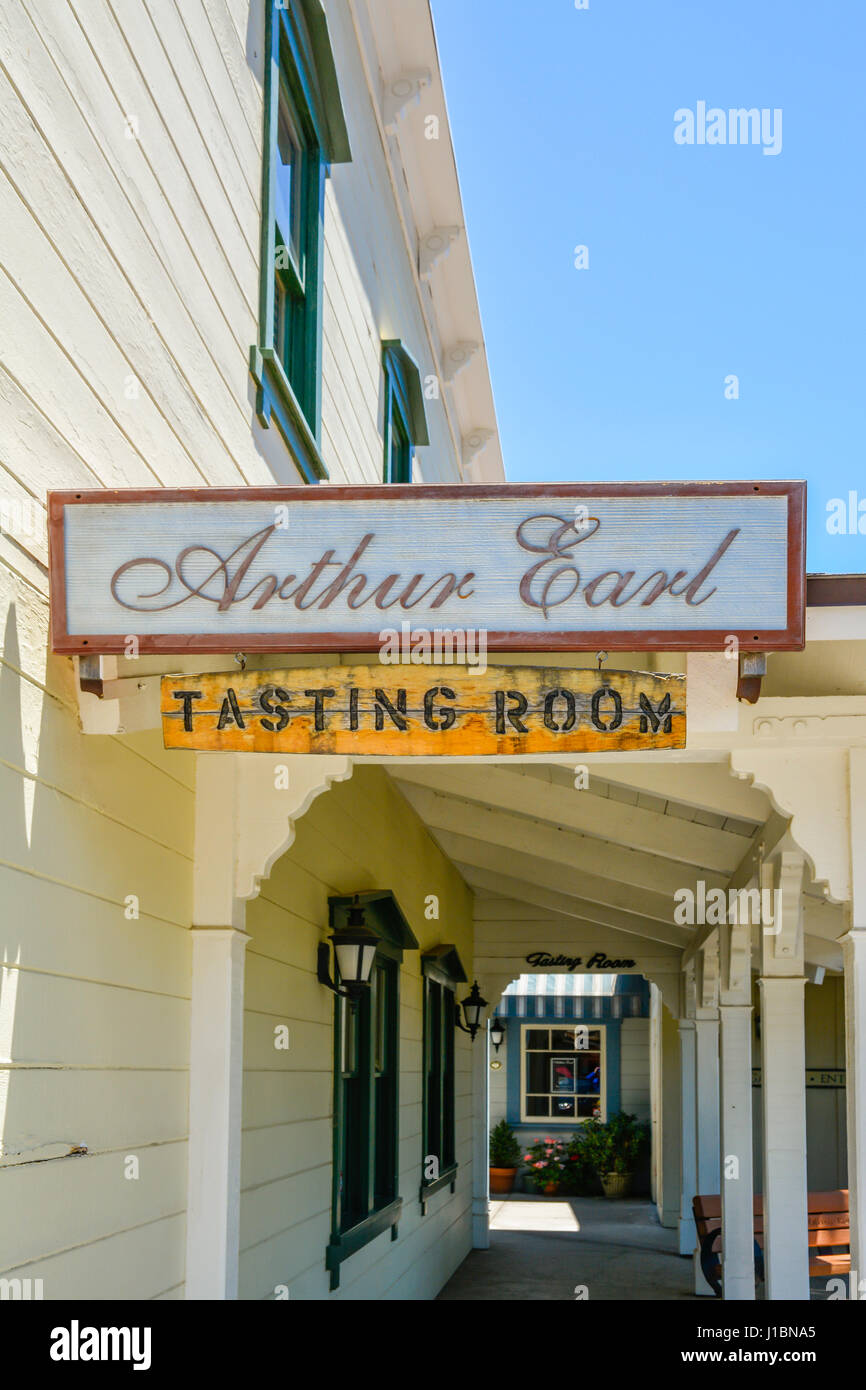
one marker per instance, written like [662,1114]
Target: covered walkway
[546,1249]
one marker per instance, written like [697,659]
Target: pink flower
[539,1165]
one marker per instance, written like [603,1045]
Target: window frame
[365,1076]
[441,971]
[300,71]
[403,411]
[396,430]
[377,1212]
[561,1025]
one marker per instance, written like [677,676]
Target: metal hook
[600,657]
[241,660]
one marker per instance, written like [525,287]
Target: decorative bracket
[472,444]
[753,668]
[403,91]
[735,958]
[458,356]
[689,999]
[109,704]
[246,810]
[708,974]
[787,875]
[432,247]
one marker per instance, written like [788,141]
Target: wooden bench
[829,1235]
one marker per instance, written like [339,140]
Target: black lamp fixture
[355,950]
[473,1007]
[497,1033]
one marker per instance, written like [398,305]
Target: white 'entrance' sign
[558,567]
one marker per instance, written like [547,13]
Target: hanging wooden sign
[423,710]
[556,567]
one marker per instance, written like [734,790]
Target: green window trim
[304,133]
[405,422]
[442,971]
[365,1200]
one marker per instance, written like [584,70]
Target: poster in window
[562,1074]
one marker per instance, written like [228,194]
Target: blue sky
[705,261]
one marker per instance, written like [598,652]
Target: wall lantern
[355,950]
[473,1007]
[497,1033]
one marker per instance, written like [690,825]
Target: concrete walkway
[547,1247]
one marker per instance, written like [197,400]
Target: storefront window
[562,1074]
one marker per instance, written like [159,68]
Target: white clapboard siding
[344,842]
[94,1050]
[23,522]
[499,1087]
[169,129]
[232,42]
[118,261]
[16,559]
[44,371]
[130,186]
[45,291]
[105,1110]
[136,1262]
[35,453]
[203,82]
[356,363]
[635,1067]
[82,1196]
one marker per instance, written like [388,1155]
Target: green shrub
[614,1146]
[505,1152]
[581,1179]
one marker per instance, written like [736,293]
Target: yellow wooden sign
[424,710]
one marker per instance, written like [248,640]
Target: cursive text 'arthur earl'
[200,571]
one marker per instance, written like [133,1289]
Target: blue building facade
[574,1047]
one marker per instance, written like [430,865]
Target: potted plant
[580,1179]
[505,1155]
[613,1149]
[549,1161]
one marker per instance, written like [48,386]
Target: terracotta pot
[551,1189]
[616,1184]
[502,1179]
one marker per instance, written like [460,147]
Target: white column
[783,1081]
[688,1151]
[783,1096]
[707,1181]
[480,1141]
[707,1104]
[854,955]
[735,1036]
[655,1059]
[671,1123]
[215,1082]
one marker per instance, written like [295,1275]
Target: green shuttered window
[365,1193]
[404,422]
[442,972]
[304,134]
